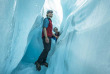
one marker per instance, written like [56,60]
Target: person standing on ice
[46,37]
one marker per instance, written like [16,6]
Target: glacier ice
[16,20]
[83,47]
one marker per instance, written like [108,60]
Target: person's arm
[54,35]
[45,25]
[45,32]
[46,37]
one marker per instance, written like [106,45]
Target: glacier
[82,48]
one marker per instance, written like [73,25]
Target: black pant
[47,46]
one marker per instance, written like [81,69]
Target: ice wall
[7,9]
[84,46]
[16,20]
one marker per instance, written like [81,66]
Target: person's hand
[56,37]
[47,40]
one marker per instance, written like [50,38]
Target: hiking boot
[45,64]
[38,66]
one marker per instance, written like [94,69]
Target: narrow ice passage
[82,48]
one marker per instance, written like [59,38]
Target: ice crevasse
[82,48]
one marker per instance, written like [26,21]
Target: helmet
[49,11]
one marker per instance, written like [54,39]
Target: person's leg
[47,50]
[39,61]
[42,58]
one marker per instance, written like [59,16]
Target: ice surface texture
[83,47]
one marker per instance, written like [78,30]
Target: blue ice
[82,48]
